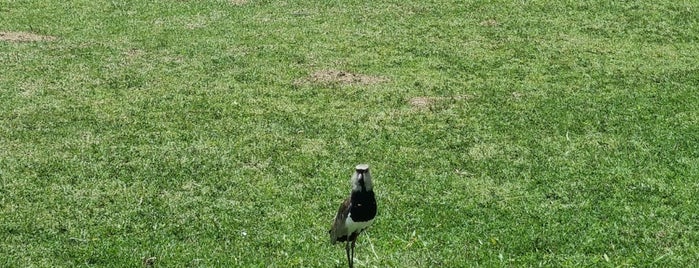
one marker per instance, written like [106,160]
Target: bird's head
[361,180]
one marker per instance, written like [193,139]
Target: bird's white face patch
[353,226]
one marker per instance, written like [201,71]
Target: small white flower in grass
[244,233]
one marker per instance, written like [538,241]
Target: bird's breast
[353,226]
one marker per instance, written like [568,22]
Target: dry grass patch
[340,77]
[421,102]
[238,2]
[490,23]
[424,102]
[24,37]
[517,95]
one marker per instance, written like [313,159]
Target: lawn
[222,133]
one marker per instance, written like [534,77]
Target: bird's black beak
[360,180]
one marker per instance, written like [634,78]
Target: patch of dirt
[24,37]
[490,23]
[341,77]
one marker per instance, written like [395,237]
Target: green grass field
[221,133]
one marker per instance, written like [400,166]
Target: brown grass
[424,102]
[421,102]
[238,2]
[490,23]
[340,77]
[24,37]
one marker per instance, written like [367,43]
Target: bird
[356,213]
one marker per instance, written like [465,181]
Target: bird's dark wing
[338,232]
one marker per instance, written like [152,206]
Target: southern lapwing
[356,213]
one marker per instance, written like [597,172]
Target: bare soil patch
[24,37]
[341,77]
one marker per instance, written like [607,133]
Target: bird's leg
[347,250]
[353,241]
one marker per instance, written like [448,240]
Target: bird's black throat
[363,206]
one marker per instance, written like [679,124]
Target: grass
[548,133]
